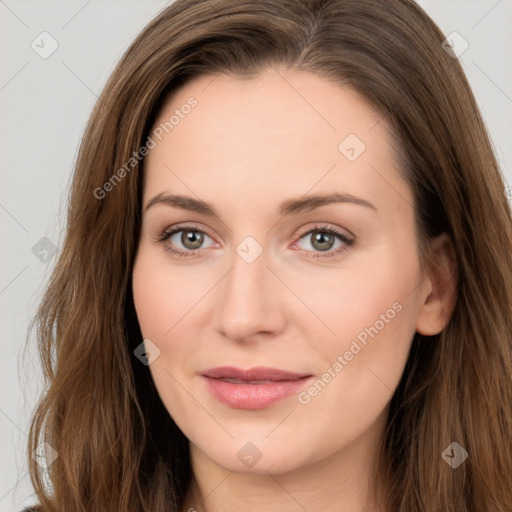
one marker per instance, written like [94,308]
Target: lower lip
[253,396]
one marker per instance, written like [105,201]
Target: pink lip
[255,388]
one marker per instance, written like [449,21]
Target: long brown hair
[118,448]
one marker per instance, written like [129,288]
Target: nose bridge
[247,302]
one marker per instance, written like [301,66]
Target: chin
[256,454]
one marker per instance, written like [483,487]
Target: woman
[285,283]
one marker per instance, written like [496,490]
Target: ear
[439,290]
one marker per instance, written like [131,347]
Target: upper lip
[252,374]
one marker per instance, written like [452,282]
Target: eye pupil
[192,237]
[320,237]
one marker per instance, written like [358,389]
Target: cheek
[372,312]
[162,298]
[363,294]
[151,301]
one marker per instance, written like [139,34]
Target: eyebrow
[289,207]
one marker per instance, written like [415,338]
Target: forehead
[283,130]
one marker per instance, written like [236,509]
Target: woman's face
[321,297]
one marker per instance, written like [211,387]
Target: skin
[247,146]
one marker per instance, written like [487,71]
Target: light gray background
[45,104]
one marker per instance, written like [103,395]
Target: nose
[249,301]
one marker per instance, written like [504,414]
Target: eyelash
[166,235]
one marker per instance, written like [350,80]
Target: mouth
[254,388]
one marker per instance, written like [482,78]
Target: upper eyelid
[328,227]
[189,227]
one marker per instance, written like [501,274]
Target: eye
[191,239]
[323,239]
